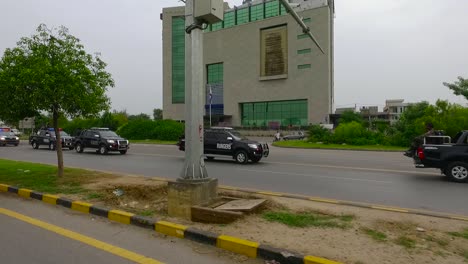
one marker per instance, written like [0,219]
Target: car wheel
[35,145]
[79,148]
[16,145]
[123,152]
[70,148]
[241,157]
[458,172]
[103,150]
[51,146]
[210,157]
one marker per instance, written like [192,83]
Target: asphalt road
[35,232]
[386,178]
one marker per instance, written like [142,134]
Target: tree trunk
[58,145]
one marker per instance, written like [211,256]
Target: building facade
[394,108]
[260,69]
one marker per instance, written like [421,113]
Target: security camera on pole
[194,187]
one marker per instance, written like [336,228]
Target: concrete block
[209,215]
[182,195]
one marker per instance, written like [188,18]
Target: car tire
[34,145]
[51,146]
[123,152]
[16,145]
[241,157]
[70,148]
[210,157]
[79,148]
[103,150]
[457,172]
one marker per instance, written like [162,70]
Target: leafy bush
[317,133]
[147,129]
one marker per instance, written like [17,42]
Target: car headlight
[2,138]
[110,141]
[254,146]
[17,138]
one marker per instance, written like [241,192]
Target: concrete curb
[350,203]
[237,245]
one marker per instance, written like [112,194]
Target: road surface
[386,178]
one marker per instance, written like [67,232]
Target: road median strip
[237,245]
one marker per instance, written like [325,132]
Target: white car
[16,132]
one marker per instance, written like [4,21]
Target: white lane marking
[316,176]
[348,168]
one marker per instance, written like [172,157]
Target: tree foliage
[157,114]
[51,72]
[350,116]
[459,87]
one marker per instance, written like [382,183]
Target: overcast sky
[385,49]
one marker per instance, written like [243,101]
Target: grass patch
[93,196]
[153,141]
[406,242]
[308,219]
[43,178]
[441,242]
[463,234]
[305,144]
[146,213]
[465,254]
[374,234]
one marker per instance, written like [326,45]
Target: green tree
[51,72]
[459,87]
[157,114]
[141,116]
[350,116]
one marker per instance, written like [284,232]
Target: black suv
[228,142]
[47,137]
[102,139]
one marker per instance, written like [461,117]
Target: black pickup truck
[225,141]
[101,139]
[450,156]
[46,137]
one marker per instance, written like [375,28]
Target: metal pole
[301,23]
[194,167]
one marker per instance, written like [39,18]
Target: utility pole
[194,167]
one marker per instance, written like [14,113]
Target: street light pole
[194,167]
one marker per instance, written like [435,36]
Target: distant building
[341,110]
[260,69]
[394,108]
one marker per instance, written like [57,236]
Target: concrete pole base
[183,194]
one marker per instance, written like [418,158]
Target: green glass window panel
[242,16]
[178,60]
[304,66]
[215,73]
[217,26]
[256,12]
[306,20]
[284,112]
[304,51]
[283,10]
[229,19]
[302,36]
[271,9]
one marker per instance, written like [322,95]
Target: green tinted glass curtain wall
[178,60]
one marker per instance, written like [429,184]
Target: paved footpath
[34,232]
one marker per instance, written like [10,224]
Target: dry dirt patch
[367,236]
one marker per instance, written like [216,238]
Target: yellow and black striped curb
[350,203]
[240,246]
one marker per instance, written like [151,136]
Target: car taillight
[420,153]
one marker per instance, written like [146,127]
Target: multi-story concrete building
[261,69]
[394,108]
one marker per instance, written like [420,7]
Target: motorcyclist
[418,141]
[277,136]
